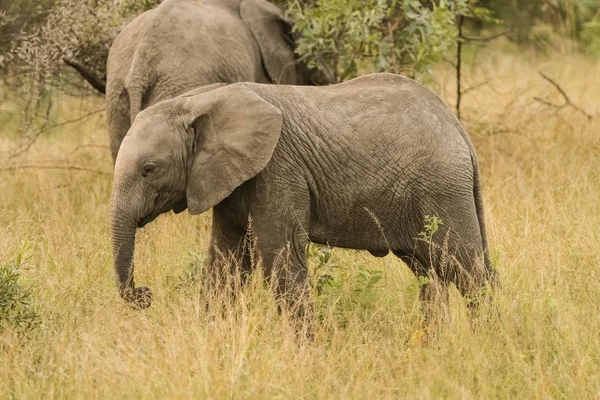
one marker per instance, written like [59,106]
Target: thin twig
[568,101]
[83,146]
[459,43]
[327,72]
[452,63]
[475,86]
[458,65]
[547,103]
[23,147]
[61,167]
[556,85]
[485,39]
[93,78]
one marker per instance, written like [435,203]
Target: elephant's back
[378,111]
[215,44]
[183,44]
[381,128]
[374,97]
[124,47]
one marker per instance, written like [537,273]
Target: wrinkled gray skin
[356,165]
[183,44]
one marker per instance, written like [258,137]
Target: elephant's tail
[489,272]
[138,79]
[135,102]
[480,216]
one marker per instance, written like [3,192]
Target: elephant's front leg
[229,260]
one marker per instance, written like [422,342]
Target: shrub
[16,304]
[344,37]
[342,292]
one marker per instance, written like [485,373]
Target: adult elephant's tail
[135,102]
[138,78]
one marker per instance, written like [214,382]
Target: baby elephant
[361,165]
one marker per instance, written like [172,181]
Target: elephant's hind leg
[453,254]
[433,291]
[460,260]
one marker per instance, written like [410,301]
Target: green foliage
[432,224]
[343,38]
[536,21]
[591,35]
[16,307]
[192,275]
[343,292]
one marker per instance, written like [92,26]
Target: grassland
[542,195]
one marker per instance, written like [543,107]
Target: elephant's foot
[138,298]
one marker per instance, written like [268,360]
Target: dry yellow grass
[541,190]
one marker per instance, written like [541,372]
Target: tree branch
[26,145]
[327,72]
[97,82]
[473,87]
[568,101]
[61,167]
[461,20]
[485,39]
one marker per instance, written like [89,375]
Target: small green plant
[422,281]
[591,35]
[343,292]
[192,274]
[432,224]
[16,304]
[348,292]
[364,286]
[325,266]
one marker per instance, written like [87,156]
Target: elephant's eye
[149,169]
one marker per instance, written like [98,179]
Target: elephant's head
[188,152]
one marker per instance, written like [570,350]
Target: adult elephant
[358,165]
[183,44]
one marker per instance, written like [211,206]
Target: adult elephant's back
[182,44]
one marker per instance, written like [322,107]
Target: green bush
[16,304]
[591,35]
[533,20]
[343,38]
[342,292]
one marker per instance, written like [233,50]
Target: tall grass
[541,180]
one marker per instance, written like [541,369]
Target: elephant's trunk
[123,227]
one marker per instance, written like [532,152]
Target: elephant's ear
[271,31]
[235,133]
